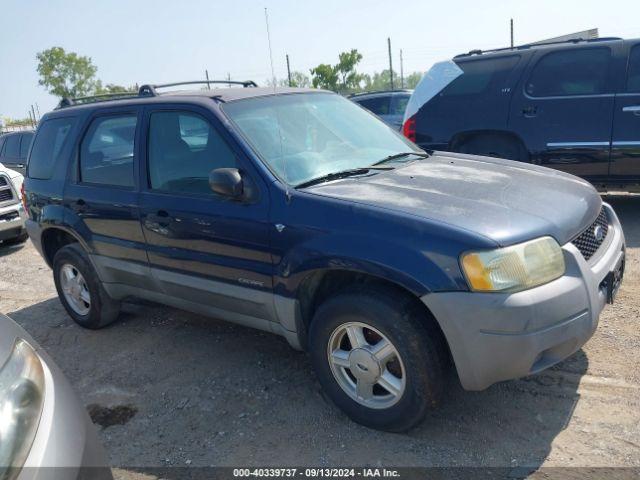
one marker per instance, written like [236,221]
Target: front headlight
[514,268]
[21,403]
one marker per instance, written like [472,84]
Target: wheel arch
[54,238]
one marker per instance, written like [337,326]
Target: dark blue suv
[297,212]
[573,106]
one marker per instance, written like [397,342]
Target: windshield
[308,135]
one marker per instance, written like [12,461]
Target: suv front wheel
[80,291]
[379,357]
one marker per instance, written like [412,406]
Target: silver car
[45,432]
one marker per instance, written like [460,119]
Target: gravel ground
[176,389]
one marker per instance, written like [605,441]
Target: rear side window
[183,149]
[25,144]
[47,146]
[480,76]
[399,104]
[377,105]
[106,152]
[633,74]
[12,146]
[570,72]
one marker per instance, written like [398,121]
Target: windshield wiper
[338,175]
[396,156]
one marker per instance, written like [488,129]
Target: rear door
[563,110]
[102,196]
[625,145]
[210,252]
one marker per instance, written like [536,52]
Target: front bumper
[12,218]
[66,444]
[502,336]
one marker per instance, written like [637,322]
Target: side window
[479,76]
[106,152]
[12,146]
[633,73]
[25,143]
[183,149]
[47,146]
[377,105]
[399,104]
[570,72]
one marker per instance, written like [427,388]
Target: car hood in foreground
[503,200]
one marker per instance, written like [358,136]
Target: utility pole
[229,78]
[38,108]
[390,63]
[33,125]
[206,72]
[289,71]
[401,71]
[33,112]
[512,34]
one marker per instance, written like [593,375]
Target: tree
[299,79]
[341,77]
[66,74]
[346,69]
[413,79]
[379,80]
[324,76]
[113,88]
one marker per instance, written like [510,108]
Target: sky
[133,41]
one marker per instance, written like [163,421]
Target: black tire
[23,237]
[414,335]
[103,309]
[499,146]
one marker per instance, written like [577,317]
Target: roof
[220,94]
[529,46]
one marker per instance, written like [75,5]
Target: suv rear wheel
[378,357]
[80,290]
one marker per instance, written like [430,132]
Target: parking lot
[172,388]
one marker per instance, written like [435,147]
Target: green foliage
[66,74]
[324,76]
[412,80]
[17,122]
[341,77]
[113,88]
[299,79]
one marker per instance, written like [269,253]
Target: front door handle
[163,218]
[635,109]
[80,205]
[530,112]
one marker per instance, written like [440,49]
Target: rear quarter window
[12,146]
[47,147]
[481,76]
[633,73]
[25,144]
[570,72]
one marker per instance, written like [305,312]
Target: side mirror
[226,182]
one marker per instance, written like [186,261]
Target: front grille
[587,242]
[6,192]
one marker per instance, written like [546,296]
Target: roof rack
[371,92]
[543,44]
[147,90]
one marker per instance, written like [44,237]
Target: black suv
[297,212]
[573,106]
[14,148]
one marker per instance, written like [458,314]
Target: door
[209,253]
[625,145]
[102,197]
[564,108]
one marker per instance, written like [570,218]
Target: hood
[505,201]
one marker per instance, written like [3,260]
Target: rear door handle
[635,109]
[530,111]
